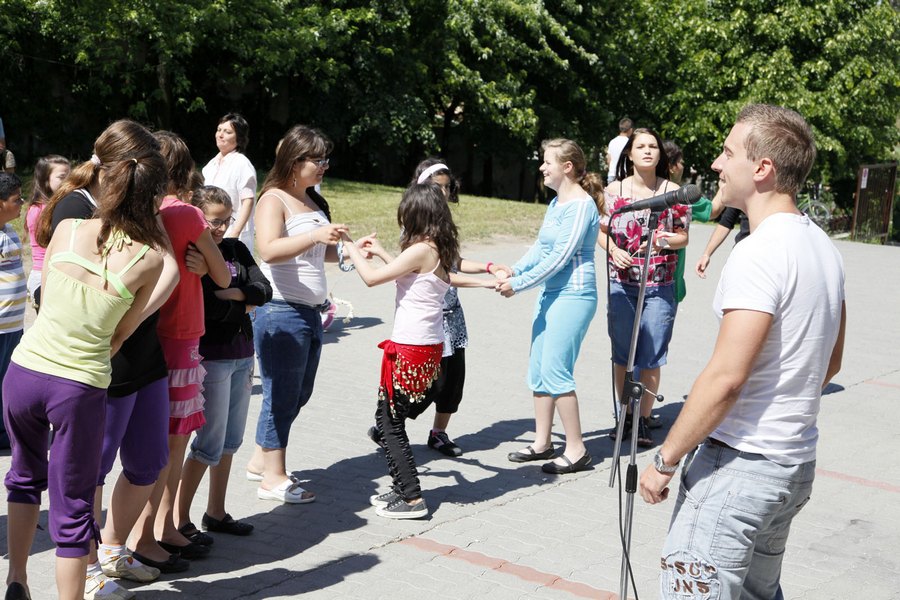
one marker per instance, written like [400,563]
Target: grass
[368,208]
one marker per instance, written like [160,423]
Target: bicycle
[808,202]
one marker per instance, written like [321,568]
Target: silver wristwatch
[661,465]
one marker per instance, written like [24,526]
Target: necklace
[652,192]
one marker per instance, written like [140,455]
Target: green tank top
[72,334]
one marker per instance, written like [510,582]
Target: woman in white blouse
[232,171]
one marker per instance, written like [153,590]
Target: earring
[295,182]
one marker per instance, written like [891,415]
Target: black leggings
[400,459]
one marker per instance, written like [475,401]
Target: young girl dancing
[49,173]
[447,392]
[412,357]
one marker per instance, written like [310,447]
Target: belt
[719,443]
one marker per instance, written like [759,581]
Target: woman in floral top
[641,173]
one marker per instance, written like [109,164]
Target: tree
[796,53]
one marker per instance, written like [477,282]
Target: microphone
[686,195]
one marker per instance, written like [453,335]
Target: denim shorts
[730,525]
[288,342]
[226,388]
[560,323]
[657,322]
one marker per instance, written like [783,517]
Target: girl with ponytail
[561,264]
[100,279]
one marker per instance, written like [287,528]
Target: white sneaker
[288,491]
[125,566]
[251,476]
[97,586]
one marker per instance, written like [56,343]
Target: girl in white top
[412,357]
[294,237]
[233,172]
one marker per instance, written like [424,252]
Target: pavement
[501,530]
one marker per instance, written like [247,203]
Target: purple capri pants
[137,427]
[32,402]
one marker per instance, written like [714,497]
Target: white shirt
[616,145]
[300,279]
[789,269]
[234,174]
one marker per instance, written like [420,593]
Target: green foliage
[485,80]
[834,61]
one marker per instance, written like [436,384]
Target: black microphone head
[688,194]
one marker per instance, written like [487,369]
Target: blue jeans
[226,391]
[288,341]
[657,323]
[730,525]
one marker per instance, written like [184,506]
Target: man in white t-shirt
[753,409]
[614,149]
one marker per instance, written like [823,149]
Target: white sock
[94,568]
[110,550]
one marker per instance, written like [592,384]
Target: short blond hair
[783,136]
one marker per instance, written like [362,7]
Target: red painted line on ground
[880,485]
[579,590]
[882,383]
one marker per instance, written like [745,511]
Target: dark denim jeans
[288,342]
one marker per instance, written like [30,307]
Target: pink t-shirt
[37,251]
[181,317]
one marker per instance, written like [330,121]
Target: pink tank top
[418,313]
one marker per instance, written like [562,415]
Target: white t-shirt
[234,174]
[790,269]
[616,145]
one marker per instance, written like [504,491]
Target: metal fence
[875,186]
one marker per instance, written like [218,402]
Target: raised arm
[273,246]
[218,270]
[574,226]
[416,258]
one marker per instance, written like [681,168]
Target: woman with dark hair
[100,278]
[642,172]
[447,392]
[561,265]
[429,249]
[232,171]
[294,236]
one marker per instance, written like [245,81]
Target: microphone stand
[631,397]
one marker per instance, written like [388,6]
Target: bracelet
[341,264]
[488,266]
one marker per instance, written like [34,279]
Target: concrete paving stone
[564,527]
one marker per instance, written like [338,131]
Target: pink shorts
[185,384]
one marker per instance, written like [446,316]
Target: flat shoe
[570,467]
[251,476]
[173,564]
[191,532]
[17,591]
[226,525]
[529,455]
[191,551]
[288,491]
